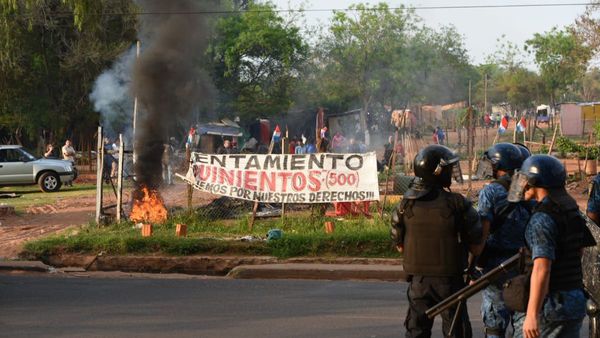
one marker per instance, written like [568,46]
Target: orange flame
[148,206]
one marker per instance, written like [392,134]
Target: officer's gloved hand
[472,273]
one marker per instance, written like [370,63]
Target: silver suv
[18,167]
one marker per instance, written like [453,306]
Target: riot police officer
[593,205]
[555,235]
[505,223]
[593,212]
[435,229]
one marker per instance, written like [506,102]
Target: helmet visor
[484,169]
[518,185]
[457,173]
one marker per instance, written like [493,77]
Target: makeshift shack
[578,118]
[212,134]
[431,114]
[450,112]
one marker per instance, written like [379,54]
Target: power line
[573,4]
[310,10]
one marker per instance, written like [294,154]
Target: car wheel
[50,182]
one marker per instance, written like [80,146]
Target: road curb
[319,271]
[239,267]
[34,266]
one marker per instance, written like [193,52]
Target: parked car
[18,167]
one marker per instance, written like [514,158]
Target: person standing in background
[68,153]
[441,136]
[50,153]
[167,172]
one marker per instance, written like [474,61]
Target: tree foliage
[52,51]
[561,57]
[256,58]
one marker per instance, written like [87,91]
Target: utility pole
[485,111]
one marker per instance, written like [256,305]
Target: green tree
[52,51]
[360,51]
[256,60]
[509,80]
[562,58]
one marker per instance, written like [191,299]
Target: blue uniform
[563,311]
[594,196]
[503,243]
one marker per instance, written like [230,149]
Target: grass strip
[303,236]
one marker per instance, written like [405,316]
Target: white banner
[298,178]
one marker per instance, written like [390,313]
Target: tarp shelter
[579,118]
[212,134]
[347,123]
[542,113]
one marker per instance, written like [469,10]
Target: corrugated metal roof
[219,129]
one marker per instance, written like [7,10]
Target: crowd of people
[525,208]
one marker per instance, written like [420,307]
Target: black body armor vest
[432,241]
[566,273]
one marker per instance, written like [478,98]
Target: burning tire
[49,182]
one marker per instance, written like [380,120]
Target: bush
[566,145]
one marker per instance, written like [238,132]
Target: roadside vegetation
[303,235]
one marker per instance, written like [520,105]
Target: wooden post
[470,143]
[284,146]
[556,125]
[146,230]
[181,230]
[255,207]
[99,171]
[390,165]
[120,179]
[515,131]
[190,189]
[89,148]
[584,164]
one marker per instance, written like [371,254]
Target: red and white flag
[503,125]
[522,125]
[276,134]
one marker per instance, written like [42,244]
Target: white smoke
[112,98]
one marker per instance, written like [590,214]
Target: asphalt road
[42,306]
[37,306]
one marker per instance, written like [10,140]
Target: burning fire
[148,206]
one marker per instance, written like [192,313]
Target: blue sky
[480,27]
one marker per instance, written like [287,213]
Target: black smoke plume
[168,79]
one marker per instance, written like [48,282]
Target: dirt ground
[43,220]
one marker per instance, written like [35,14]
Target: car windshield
[27,155]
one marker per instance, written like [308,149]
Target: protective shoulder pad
[458,202]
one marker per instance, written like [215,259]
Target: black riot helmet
[435,165]
[543,171]
[504,156]
[525,152]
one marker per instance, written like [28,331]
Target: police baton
[478,285]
